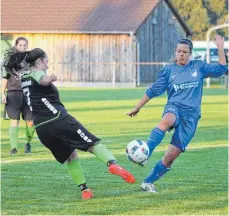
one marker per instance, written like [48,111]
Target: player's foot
[87,194]
[13,151]
[116,169]
[27,148]
[148,187]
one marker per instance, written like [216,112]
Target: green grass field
[36,184]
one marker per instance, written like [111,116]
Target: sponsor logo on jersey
[183,86]
[49,106]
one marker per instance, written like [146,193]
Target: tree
[195,15]
[200,15]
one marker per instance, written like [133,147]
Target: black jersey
[44,101]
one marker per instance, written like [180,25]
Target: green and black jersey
[44,101]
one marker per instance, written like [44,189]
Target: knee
[167,122]
[72,157]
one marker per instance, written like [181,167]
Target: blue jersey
[184,84]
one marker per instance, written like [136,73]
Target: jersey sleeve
[213,70]
[38,75]
[160,85]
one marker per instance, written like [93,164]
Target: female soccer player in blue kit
[183,81]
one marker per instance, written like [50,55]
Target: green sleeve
[38,75]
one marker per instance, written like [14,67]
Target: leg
[76,172]
[170,155]
[181,138]
[13,134]
[161,168]
[106,156]
[158,132]
[13,109]
[30,129]
[29,135]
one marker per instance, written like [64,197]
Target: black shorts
[62,137]
[16,105]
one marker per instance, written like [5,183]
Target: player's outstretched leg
[106,156]
[76,172]
[29,132]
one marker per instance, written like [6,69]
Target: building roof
[76,15]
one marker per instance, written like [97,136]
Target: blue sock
[157,172]
[155,139]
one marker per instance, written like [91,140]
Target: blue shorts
[185,127]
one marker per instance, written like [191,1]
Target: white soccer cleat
[148,187]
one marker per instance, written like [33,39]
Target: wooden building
[90,41]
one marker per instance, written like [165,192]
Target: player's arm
[157,89]
[42,78]
[4,84]
[216,70]
[5,77]
[219,41]
[47,80]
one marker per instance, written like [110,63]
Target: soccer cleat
[148,187]
[13,151]
[116,169]
[87,194]
[27,148]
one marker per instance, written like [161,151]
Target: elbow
[151,93]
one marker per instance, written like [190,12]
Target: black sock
[83,186]
[111,162]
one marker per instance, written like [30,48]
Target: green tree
[195,15]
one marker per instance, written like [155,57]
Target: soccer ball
[137,151]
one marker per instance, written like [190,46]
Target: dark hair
[33,55]
[9,61]
[187,42]
[14,62]
[20,38]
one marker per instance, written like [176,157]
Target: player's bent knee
[167,121]
[73,156]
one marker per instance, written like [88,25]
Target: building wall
[157,38]
[87,58]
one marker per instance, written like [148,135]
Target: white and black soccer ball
[137,151]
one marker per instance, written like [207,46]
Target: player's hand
[219,41]
[53,78]
[4,99]
[133,112]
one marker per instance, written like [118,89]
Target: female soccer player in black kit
[57,130]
